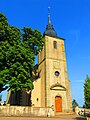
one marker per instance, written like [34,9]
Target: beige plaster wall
[36,93]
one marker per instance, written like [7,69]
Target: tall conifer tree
[87,92]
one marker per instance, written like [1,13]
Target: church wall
[69,96]
[36,93]
[41,56]
[51,80]
[50,73]
[50,60]
[56,61]
[51,52]
[42,76]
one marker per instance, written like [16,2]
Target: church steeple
[49,28]
[49,21]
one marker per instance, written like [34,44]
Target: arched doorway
[58,104]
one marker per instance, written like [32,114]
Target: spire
[49,28]
[49,21]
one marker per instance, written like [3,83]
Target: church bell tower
[52,89]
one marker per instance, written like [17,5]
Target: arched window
[55,44]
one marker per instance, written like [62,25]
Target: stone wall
[82,111]
[25,111]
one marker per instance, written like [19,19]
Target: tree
[74,104]
[17,55]
[33,39]
[3,24]
[87,92]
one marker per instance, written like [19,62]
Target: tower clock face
[57,73]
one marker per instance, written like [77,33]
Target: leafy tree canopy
[17,55]
[3,24]
[87,92]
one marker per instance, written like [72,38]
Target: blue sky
[71,20]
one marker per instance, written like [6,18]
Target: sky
[71,20]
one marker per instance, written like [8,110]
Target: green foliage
[3,24]
[17,55]
[74,104]
[33,39]
[87,92]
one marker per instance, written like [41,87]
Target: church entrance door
[58,104]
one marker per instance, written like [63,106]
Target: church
[52,87]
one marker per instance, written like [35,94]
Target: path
[60,117]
